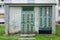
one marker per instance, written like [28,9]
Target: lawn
[38,36]
[2,32]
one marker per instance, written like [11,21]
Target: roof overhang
[30,3]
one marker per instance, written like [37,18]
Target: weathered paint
[36,19]
[13,10]
[53,19]
[14,19]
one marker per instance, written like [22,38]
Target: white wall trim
[36,19]
[53,20]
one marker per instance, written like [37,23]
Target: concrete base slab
[27,36]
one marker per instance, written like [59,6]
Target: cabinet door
[27,20]
[45,17]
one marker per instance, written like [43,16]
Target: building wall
[1,1]
[1,15]
[14,19]
[1,11]
[56,11]
[59,10]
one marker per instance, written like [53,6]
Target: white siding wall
[1,1]
[14,19]
[7,1]
[2,20]
[1,10]
[58,11]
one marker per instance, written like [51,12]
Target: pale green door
[45,18]
[27,20]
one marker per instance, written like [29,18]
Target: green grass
[38,36]
[2,32]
